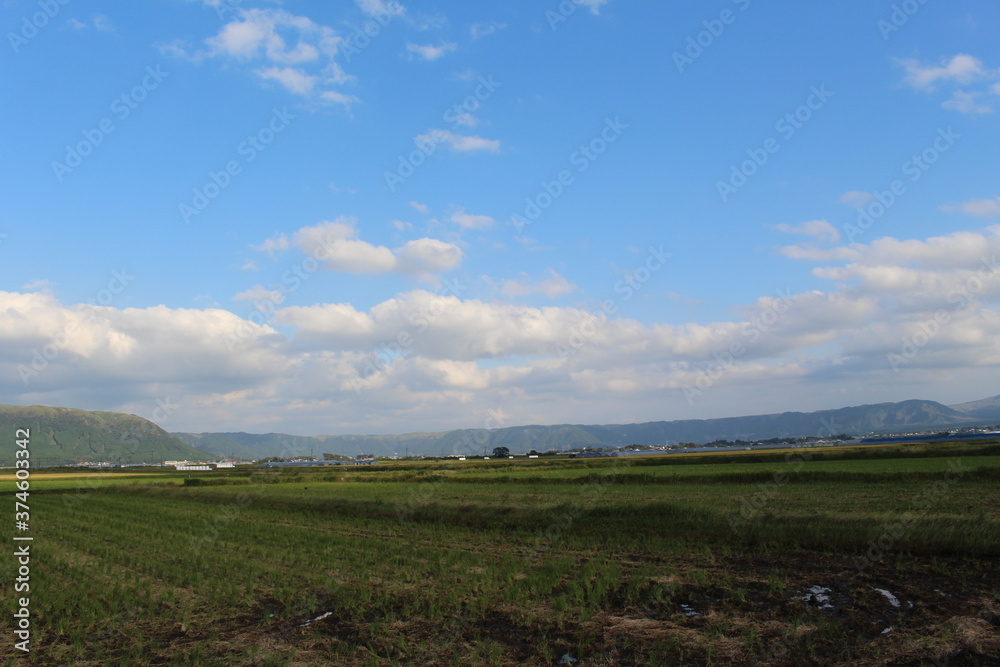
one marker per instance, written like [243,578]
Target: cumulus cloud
[336,246]
[425,258]
[144,345]
[293,51]
[409,360]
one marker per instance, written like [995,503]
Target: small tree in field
[500,452]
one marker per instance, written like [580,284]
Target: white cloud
[429,51]
[961,68]
[984,208]
[275,244]
[470,221]
[381,7]
[292,50]
[453,350]
[423,208]
[553,286]
[335,244]
[102,23]
[457,142]
[426,257]
[37,285]
[134,349]
[594,5]
[293,79]
[259,293]
[335,97]
[960,249]
[818,229]
[485,29]
[966,102]
[856,198]
[98,22]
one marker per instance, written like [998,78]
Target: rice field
[713,560]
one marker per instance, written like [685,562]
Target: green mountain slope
[62,436]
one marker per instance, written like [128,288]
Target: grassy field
[878,556]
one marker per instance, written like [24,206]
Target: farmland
[879,556]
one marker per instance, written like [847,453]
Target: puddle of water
[318,618]
[893,600]
[819,595]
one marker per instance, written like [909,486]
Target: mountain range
[66,435]
[859,420]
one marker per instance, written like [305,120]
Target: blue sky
[377,217]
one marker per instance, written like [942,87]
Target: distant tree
[500,452]
[533,453]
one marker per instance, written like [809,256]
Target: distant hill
[64,435]
[257,446]
[859,420]
[987,408]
